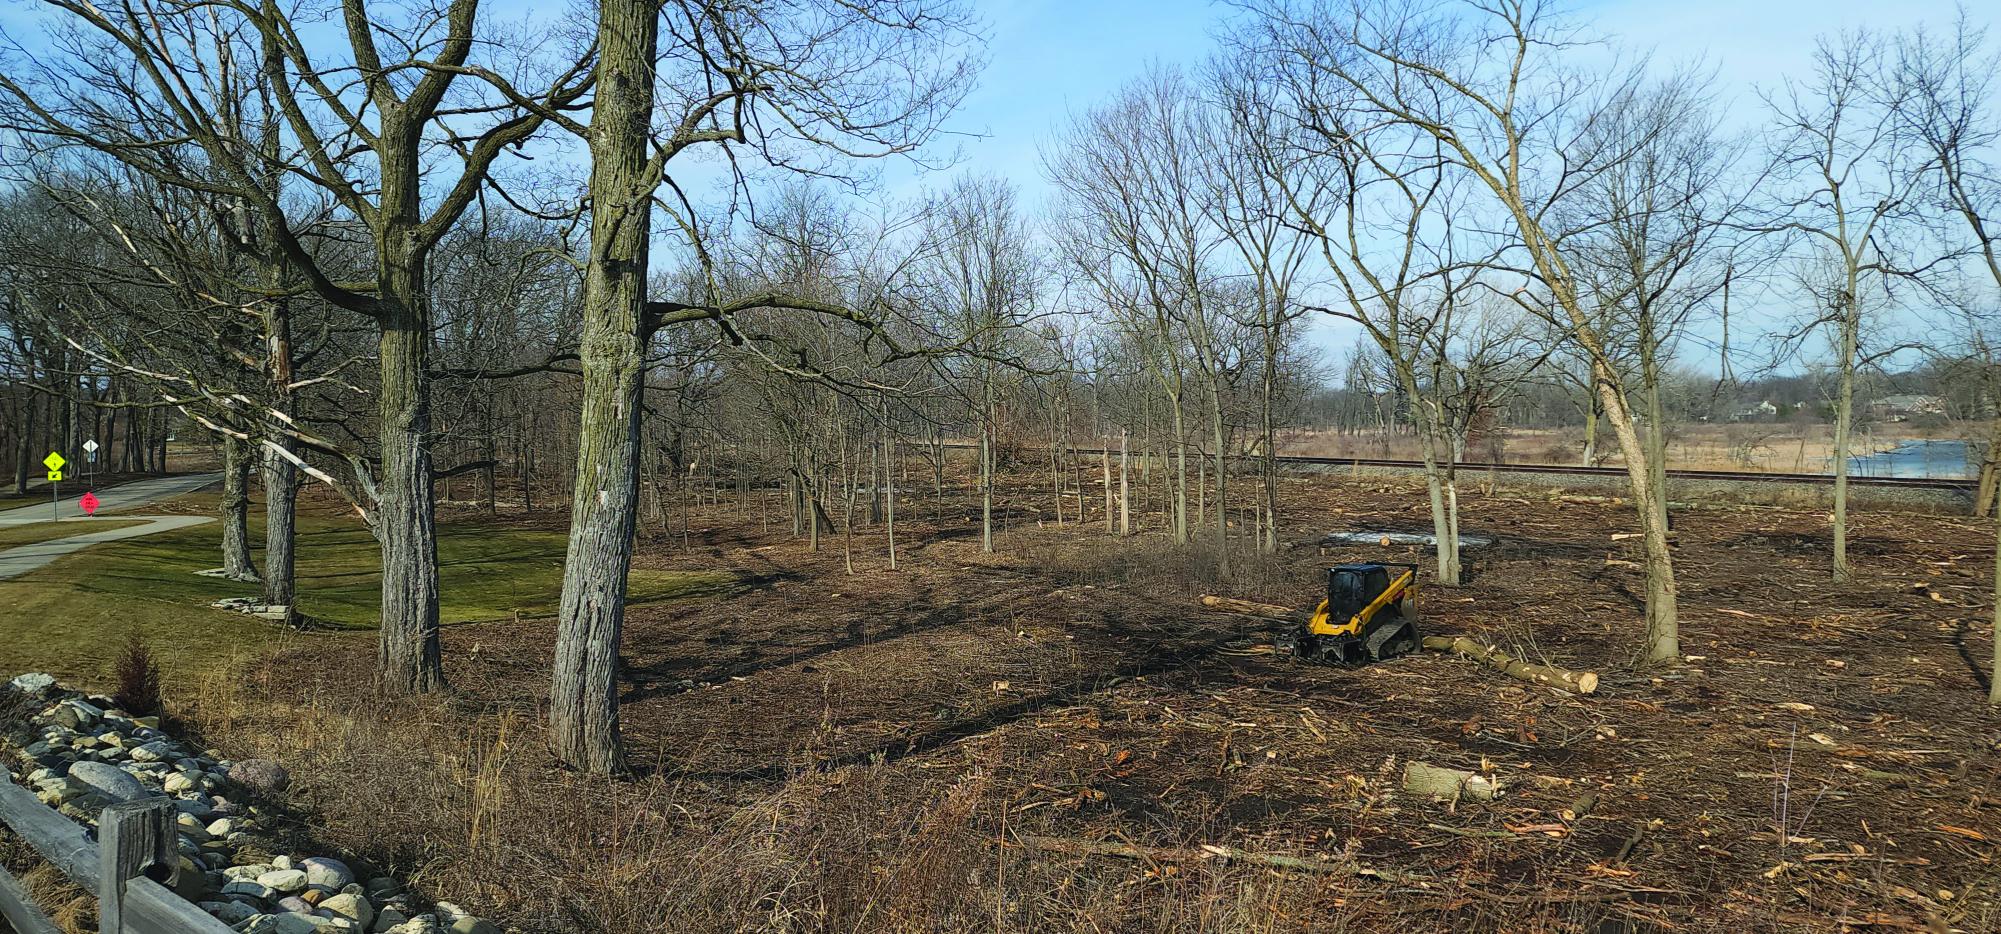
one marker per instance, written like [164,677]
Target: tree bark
[1663,629]
[1221,437]
[1125,485]
[986,490]
[1844,417]
[236,510]
[1994,671]
[24,449]
[584,716]
[1581,682]
[281,497]
[410,655]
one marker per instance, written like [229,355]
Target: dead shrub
[138,679]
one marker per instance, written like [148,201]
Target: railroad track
[1736,476]
[1754,476]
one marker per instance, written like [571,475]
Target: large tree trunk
[410,657]
[1663,631]
[236,462]
[583,709]
[24,448]
[281,498]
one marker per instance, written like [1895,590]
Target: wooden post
[1125,488]
[133,838]
[1105,458]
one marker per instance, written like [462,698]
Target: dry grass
[1775,447]
[470,808]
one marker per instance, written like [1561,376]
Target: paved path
[124,496]
[15,562]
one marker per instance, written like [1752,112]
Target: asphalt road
[126,496]
[15,562]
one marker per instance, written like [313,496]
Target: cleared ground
[935,748]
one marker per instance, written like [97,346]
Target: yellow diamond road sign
[54,461]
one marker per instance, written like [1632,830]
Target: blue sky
[1049,58]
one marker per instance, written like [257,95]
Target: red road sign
[89,504]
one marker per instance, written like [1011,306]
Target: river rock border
[81,753]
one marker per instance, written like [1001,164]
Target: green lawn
[72,617]
[16,535]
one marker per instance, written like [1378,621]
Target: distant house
[1762,410]
[1904,407]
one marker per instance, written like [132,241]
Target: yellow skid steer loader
[1369,614]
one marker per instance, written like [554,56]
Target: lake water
[1942,459]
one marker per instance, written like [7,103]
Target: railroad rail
[1675,473]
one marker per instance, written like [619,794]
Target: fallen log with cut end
[1437,781]
[1580,682]
[1249,607]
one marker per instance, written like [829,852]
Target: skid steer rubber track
[1392,641]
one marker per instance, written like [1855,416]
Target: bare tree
[1485,84]
[369,153]
[1946,99]
[777,81]
[1846,173]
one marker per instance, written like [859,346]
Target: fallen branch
[1248,607]
[1581,682]
[1166,854]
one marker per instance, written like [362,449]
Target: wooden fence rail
[129,866]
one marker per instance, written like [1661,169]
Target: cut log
[1580,682]
[1249,607]
[1437,781]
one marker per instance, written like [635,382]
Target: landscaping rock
[37,683]
[350,906]
[229,912]
[108,780]
[325,873]
[58,791]
[287,881]
[250,887]
[82,754]
[155,751]
[264,776]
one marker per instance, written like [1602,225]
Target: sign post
[55,464]
[89,459]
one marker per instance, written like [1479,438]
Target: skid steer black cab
[1369,614]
